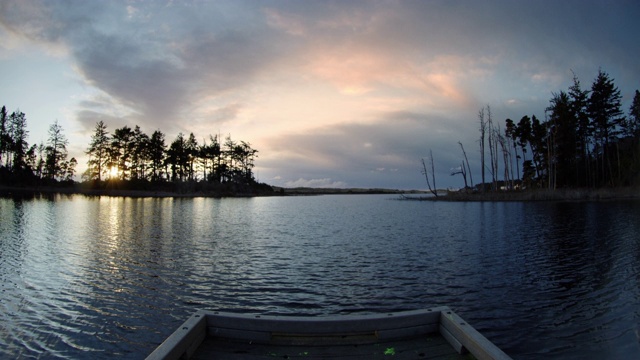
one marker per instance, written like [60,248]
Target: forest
[127,159]
[584,141]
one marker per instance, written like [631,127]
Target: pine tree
[632,125]
[18,140]
[157,150]
[579,100]
[98,152]
[606,119]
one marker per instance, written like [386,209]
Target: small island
[127,162]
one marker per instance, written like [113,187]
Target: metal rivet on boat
[185,328]
[257,316]
[462,323]
[197,315]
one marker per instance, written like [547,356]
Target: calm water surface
[97,277]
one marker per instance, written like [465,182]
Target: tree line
[127,156]
[585,140]
[130,154]
[38,163]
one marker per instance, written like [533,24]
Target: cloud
[290,23]
[356,92]
[148,58]
[386,149]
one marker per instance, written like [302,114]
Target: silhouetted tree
[632,132]
[539,143]
[562,127]
[38,153]
[140,154]
[177,158]
[191,150]
[606,117]
[157,149]
[510,132]
[493,137]
[215,152]
[464,153]
[56,153]
[70,169]
[5,137]
[579,100]
[632,124]
[18,146]
[483,131]
[99,153]
[122,145]
[246,159]
[523,134]
[433,189]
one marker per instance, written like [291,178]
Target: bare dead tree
[468,167]
[493,148]
[433,189]
[504,146]
[483,131]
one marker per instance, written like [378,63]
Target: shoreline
[581,194]
[159,193]
[584,194]
[77,190]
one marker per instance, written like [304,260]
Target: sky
[348,94]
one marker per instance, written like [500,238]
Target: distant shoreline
[460,196]
[159,193]
[539,195]
[341,191]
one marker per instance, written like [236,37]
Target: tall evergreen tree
[523,134]
[579,100]
[215,151]
[606,119]
[99,153]
[121,150]
[177,158]
[539,148]
[5,138]
[632,125]
[562,126]
[139,154]
[191,149]
[510,133]
[18,134]
[247,156]
[157,149]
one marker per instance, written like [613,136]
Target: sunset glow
[113,172]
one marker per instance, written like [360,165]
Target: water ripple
[103,277]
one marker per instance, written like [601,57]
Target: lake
[98,277]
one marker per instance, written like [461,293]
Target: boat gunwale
[184,342]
